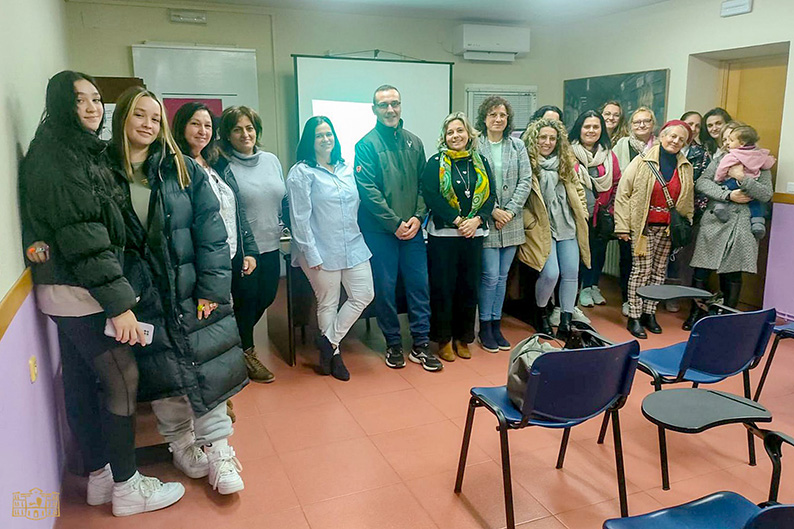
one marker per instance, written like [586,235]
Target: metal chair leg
[506,479]
[750,439]
[464,449]
[621,471]
[766,369]
[603,432]
[663,458]
[563,446]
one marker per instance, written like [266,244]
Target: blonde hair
[124,108]
[567,168]
[730,125]
[746,134]
[460,116]
[644,109]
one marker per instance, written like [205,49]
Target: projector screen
[342,88]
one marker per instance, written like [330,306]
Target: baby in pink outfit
[744,151]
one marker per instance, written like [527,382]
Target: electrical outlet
[34,369]
[790,187]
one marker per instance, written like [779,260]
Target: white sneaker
[554,317]
[224,468]
[625,309]
[143,494]
[578,315]
[188,457]
[585,298]
[597,296]
[100,486]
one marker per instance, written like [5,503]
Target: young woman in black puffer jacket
[190,260]
[70,200]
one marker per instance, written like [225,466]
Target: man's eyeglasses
[383,105]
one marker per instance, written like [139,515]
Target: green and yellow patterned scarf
[481,188]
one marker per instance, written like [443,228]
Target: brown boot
[256,369]
[230,410]
[462,349]
[445,351]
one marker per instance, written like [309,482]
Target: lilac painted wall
[30,434]
[779,290]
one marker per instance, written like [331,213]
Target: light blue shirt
[324,212]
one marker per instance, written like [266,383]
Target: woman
[555,221]
[262,197]
[512,176]
[547,112]
[194,133]
[729,248]
[695,152]
[612,112]
[327,243]
[642,123]
[458,189]
[187,243]
[710,135]
[70,199]
[642,216]
[599,173]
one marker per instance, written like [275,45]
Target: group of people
[177,228]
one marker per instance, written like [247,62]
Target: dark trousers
[730,284]
[625,267]
[598,254]
[253,294]
[455,268]
[390,257]
[100,383]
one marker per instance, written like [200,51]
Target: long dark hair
[576,130]
[60,111]
[182,118]
[710,144]
[542,110]
[305,151]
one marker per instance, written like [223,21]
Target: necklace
[466,181]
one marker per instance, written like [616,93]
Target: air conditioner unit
[489,43]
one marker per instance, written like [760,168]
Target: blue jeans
[390,257]
[757,208]
[563,262]
[495,266]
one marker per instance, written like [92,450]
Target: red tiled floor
[381,450]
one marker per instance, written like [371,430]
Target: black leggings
[253,294]
[730,284]
[100,383]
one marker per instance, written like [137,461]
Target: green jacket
[389,166]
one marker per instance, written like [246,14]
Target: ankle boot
[695,313]
[635,328]
[486,338]
[649,322]
[564,328]
[496,330]
[542,322]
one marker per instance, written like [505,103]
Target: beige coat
[633,198]
[537,229]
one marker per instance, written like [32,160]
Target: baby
[743,151]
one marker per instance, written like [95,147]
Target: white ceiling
[534,12]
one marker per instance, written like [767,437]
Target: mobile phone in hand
[147,328]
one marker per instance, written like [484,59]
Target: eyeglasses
[383,105]
[640,122]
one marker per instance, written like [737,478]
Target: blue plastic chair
[723,510]
[718,347]
[565,388]
[781,333]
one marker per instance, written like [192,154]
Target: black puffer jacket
[189,257]
[69,200]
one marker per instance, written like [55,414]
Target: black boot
[695,312]
[542,323]
[326,352]
[496,330]
[564,328]
[635,328]
[486,338]
[732,291]
[649,322]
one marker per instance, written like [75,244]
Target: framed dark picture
[633,90]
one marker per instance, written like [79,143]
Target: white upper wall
[664,36]
[32,49]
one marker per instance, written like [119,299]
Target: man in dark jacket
[389,164]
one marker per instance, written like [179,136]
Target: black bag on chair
[680,227]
